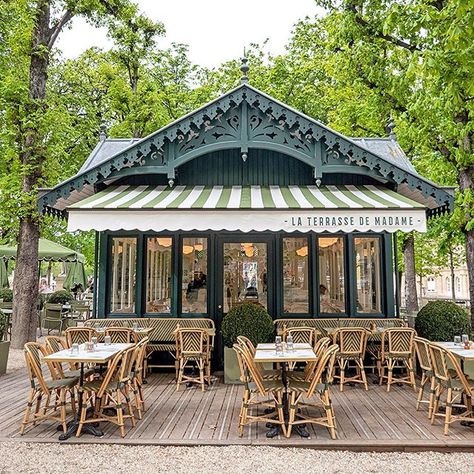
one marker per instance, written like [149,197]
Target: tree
[42,21]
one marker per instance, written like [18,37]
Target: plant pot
[231,367]
[4,348]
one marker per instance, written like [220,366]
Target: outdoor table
[272,347]
[458,351]
[101,355]
[264,354]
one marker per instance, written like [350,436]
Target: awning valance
[277,208]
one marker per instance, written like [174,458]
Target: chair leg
[291,414]
[180,373]
[281,415]
[342,365]
[432,396]
[243,413]
[26,416]
[390,364]
[362,373]
[424,379]
[449,410]
[411,373]
[82,418]
[329,414]
[62,401]
[119,409]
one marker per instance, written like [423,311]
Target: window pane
[367,255]
[295,275]
[332,295]
[124,257]
[158,275]
[194,286]
[245,273]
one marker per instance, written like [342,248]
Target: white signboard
[325,220]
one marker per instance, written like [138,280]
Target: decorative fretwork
[244,118]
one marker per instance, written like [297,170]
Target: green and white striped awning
[326,208]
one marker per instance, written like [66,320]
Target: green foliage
[3,324]
[441,321]
[247,319]
[6,294]
[61,297]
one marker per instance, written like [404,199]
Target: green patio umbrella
[75,274]
[3,274]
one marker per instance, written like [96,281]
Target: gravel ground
[104,459]
[16,360]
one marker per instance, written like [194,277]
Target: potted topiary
[246,319]
[441,321]
[4,345]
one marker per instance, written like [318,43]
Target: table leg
[73,425]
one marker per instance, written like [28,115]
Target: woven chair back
[121,335]
[245,341]
[301,335]
[322,345]
[398,341]
[79,335]
[140,352]
[55,344]
[249,367]
[192,341]
[244,372]
[352,341]
[323,368]
[112,376]
[422,348]
[33,354]
[126,365]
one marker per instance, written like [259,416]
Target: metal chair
[53,318]
[255,387]
[422,349]
[316,388]
[42,389]
[352,344]
[397,347]
[454,383]
[193,346]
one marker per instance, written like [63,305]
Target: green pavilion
[246,199]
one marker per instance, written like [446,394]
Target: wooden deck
[372,420]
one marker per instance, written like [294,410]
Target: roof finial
[245,69]
[103,131]
[391,128]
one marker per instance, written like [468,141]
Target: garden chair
[422,349]
[79,335]
[258,393]
[53,318]
[397,348]
[352,344]
[121,335]
[43,390]
[304,376]
[112,391]
[454,383]
[300,334]
[136,379]
[193,346]
[301,394]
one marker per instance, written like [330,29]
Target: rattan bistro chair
[301,393]
[113,391]
[258,393]
[193,346]
[422,349]
[121,335]
[454,383]
[301,334]
[352,344]
[267,374]
[79,335]
[136,379]
[43,390]
[304,376]
[397,350]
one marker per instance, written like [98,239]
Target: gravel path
[105,459]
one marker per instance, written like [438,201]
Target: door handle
[219,306]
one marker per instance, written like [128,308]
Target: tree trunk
[25,284]
[466,183]
[411,297]
[451,268]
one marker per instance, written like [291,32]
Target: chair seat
[271,374]
[302,386]
[61,383]
[296,376]
[271,386]
[351,356]
[94,386]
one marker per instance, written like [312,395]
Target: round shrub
[247,319]
[441,321]
[6,294]
[61,297]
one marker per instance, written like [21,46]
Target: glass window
[124,267]
[332,295]
[431,284]
[295,275]
[368,278]
[158,274]
[194,277]
[245,273]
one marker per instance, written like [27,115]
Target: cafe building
[246,199]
